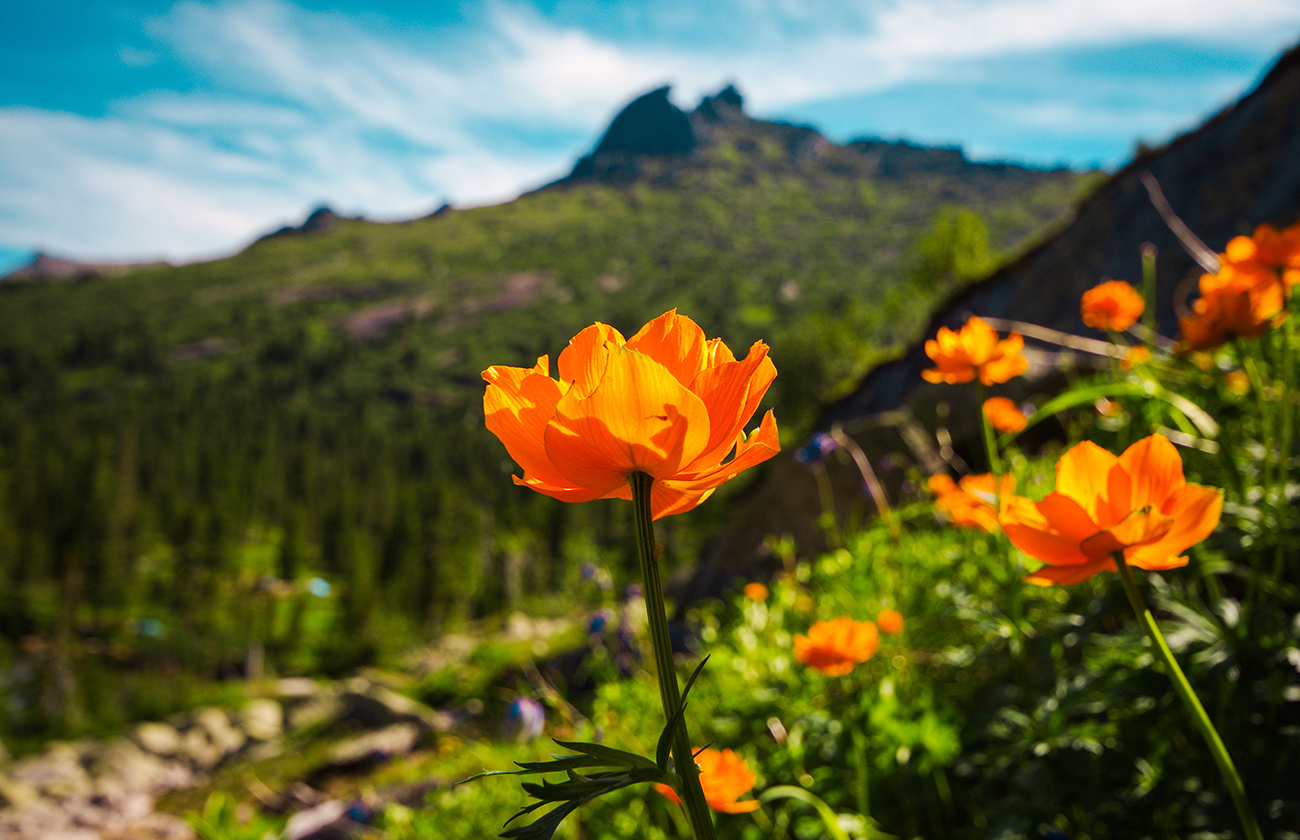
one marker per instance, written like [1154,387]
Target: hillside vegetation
[276,462]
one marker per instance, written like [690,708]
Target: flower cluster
[1248,295]
[666,402]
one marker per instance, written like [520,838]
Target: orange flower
[1269,254]
[724,777]
[1247,295]
[974,351]
[1138,504]
[1004,415]
[1134,356]
[1113,305]
[755,591]
[969,504]
[834,647]
[1108,408]
[1231,306]
[665,402]
[890,622]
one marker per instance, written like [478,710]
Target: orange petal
[563,491]
[716,352]
[639,417]
[674,341]
[518,403]
[1195,511]
[978,339]
[1050,530]
[1155,471]
[1069,575]
[583,362]
[1082,475]
[762,444]
[666,500]
[731,392]
[1141,527]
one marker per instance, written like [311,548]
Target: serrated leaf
[620,758]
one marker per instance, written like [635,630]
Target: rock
[371,748]
[318,711]
[158,738]
[225,737]
[312,820]
[262,719]
[17,795]
[375,706]
[199,750]
[296,688]
[56,773]
[121,768]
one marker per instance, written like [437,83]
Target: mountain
[1239,169]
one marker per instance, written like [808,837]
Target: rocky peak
[726,105]
[649,127]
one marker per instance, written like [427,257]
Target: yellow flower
[665,402]
[960,356]
[1113,305]
[834,647]
[1238,382]
[724,777]
[1137,503]
[755,591]
[1004,415]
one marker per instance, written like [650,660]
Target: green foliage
[954,251]
[224,819]
[185,451]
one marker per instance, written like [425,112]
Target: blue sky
[136,129]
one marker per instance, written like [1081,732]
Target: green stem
[1284,445]
[697,810]
[990,442]
[1194,708]
[862,746]
[1149,285]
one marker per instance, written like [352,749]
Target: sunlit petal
[1082,473]
[583,362]
[674,341]
[638,418]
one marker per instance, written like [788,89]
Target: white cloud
[293,108]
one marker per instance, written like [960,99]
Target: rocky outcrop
[47,267]
[653,139]
[1241,168]
[88,790]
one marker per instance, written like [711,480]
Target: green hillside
[184,449]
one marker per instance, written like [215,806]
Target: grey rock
[262,719]
[373,747]
[320,710]
[158,738]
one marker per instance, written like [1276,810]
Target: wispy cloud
[281,108]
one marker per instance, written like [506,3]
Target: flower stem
[697,810]
[990,441]
[1194,708]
